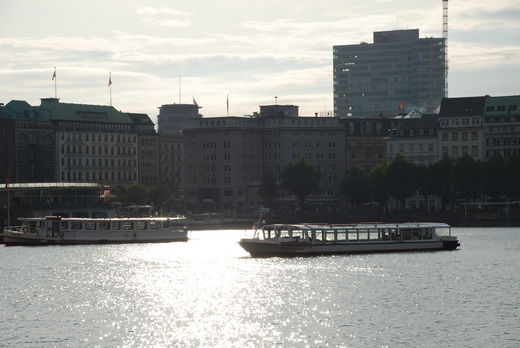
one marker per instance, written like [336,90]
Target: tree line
[452,180]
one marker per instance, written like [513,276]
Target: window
[76,225]
[90,225]
[103,225]
[127,225]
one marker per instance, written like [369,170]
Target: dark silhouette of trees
[355,186]
[453,180]
[301,179]
[401,179]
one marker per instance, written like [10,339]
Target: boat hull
[11,239]
[258,248]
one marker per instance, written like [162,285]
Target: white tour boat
[58,230]
[320,239]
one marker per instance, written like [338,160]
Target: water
[209,292]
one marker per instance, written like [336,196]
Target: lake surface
[209,292]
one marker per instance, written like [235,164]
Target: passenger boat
[320,239]
[59,230]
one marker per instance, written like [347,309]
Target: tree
[441,174]
[466,178]
[269,188]
[301,179]
[493,177]
[378,188]
[355,186]
[401,179]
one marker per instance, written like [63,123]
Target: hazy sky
[252,51]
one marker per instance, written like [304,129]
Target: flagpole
[55,84]
[227,104]
[180,88]
[110,85]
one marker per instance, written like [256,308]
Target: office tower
[397,73]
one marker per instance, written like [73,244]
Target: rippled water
[209,292]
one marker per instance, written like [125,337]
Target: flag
[6,182]
[110,80]
[401,106]
[227,104]
[195,102]
[54,75]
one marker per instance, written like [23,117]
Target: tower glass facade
[397,73]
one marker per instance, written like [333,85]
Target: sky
[247,52]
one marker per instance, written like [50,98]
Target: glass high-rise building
[397,73]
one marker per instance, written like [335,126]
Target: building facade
[414,137]
[147,149]
[502,126]
[225,157]
[94,143]
[397,72]
[27,144]
[460,128]
[365,141]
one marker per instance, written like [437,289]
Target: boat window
[362,235]
[329,235]
[64,225]
[341,235]
[385,234]
[103,225]
[352,235]
[407,233]
[373,234]
[318,235]
[284,233]
[427,233]
[116,225]
[416,234]
[153,224]
[140,225]
[90,225]
[166,224]
[297,234]
[395,234]
[76,225]
[128,225]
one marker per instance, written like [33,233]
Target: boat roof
[99,219]
[378,225]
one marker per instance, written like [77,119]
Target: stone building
[502,126]
[27,144]
[460,127]
[414,137]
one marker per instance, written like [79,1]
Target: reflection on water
[209,292]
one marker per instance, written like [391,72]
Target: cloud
[475,56]
[163,17]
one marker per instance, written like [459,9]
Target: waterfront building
[173,118]
[171,165]
[147,149]
[225,157]
[365,141]
[460,128]
[27,149]
[397,72]
[414,137]
[502,126]
[94,143]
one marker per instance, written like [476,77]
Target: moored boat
[58,230]
[321,239]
